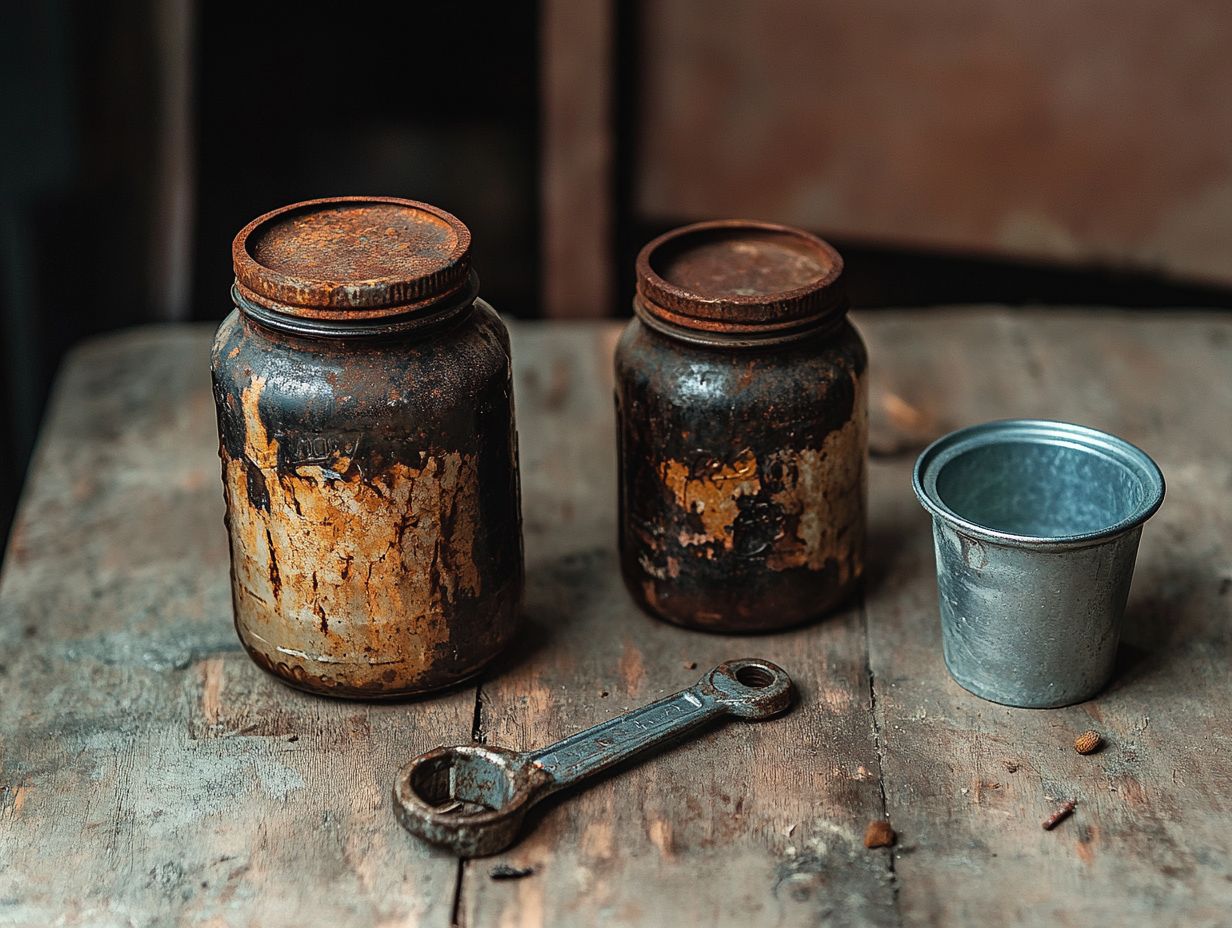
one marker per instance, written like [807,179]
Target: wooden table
[152,775]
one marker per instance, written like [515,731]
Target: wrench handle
[616,740]
[472,798]
[750,689]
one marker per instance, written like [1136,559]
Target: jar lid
[737,277]
[352,258]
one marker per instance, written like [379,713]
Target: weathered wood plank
[967,781]
[748,824]
[150,774]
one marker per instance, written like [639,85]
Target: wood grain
[969,782]
[151,775]
[748,824]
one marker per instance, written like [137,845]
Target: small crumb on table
[879,834]
[1062,812]
[1088,742]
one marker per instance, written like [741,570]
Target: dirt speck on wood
[879,834]
[506,872]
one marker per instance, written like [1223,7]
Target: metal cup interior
[1037,482]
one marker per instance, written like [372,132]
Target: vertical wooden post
[577,182]
[173,187]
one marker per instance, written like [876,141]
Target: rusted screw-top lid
[739,280]
[352,258]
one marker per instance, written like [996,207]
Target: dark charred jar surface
[741,398]
[369,456]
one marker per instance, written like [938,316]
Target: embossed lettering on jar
[741,397]
[365,411]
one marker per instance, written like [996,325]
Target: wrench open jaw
[473,798]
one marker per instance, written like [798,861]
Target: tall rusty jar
[369,457]
[741,396]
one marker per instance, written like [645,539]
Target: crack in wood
[880,749]
[458,915]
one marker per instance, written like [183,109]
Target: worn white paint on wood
[152,775]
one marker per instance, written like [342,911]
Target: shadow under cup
[1036,527]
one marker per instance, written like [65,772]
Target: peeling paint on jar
[713,493]
[369,457]
[823,500]
[742,404]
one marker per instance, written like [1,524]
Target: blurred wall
[1073,132]
[957,151]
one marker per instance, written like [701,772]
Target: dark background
[982,151]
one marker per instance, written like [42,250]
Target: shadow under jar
[365,412]
[741,399]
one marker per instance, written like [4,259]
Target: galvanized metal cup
[1036,526]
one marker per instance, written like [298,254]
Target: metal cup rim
[933,458]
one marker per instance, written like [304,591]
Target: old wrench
[472,798]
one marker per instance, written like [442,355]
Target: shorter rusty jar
[741,399]
[369,458]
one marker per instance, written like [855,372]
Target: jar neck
[421,320]
[738,335]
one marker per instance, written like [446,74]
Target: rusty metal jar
[741,399]
[369,457]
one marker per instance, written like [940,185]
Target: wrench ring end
[751,688]
[468,798]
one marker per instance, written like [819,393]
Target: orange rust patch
[824,496]
[670,571]
[823,499]
[349,579]
[648,590]
[713,495]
